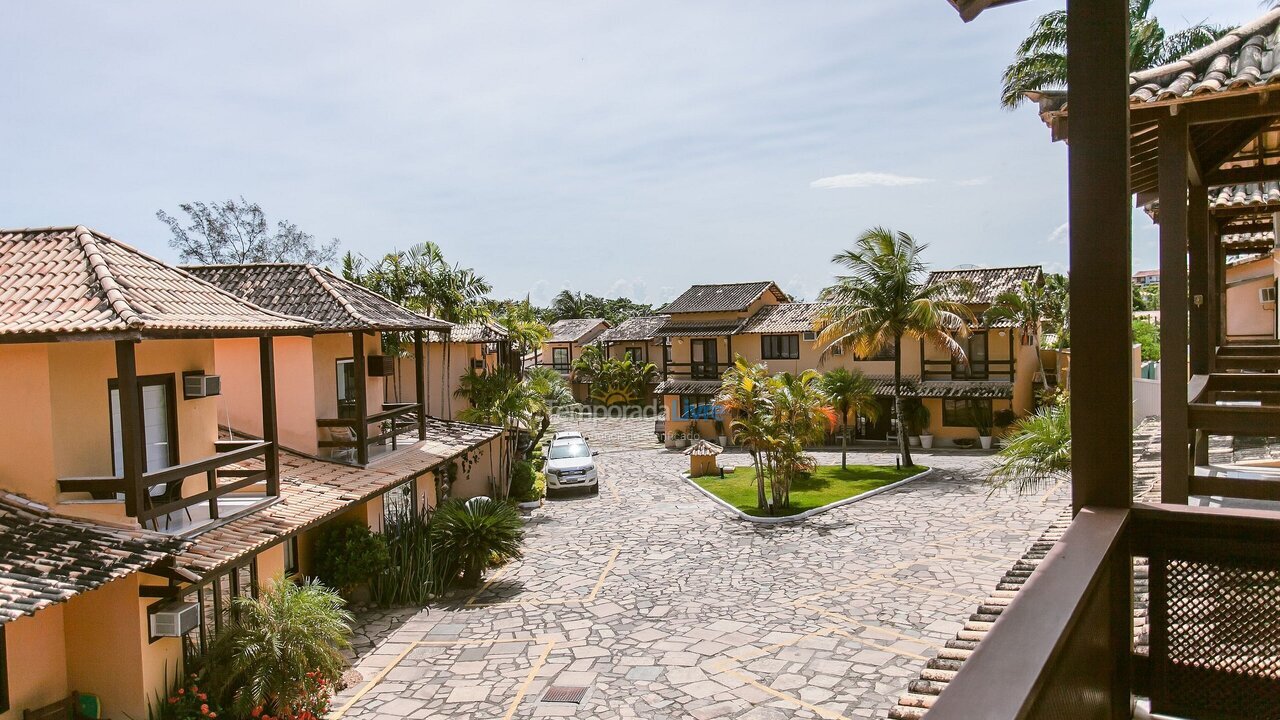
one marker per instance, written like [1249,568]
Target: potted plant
[922,418]
[724,441]
[980,417]
[917,423]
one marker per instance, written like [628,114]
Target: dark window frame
[562,366]
[699,401]
[170,386]
[347,408]
[635,352]
[961,406]
[780,347]
[291,563]
[705,368]
[968,369]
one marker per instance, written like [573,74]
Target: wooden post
[1217,292]
[270,426]
[1199,274]
[362,399]
[1174,224]
[1100,250]
[132,454]
[420,383]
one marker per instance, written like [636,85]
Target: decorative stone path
[663,607]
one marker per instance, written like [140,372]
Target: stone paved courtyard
[663,607]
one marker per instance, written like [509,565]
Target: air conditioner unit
[198,385]
[810,335]
[381,365]
[175,619]
[477,364]
[1267,294]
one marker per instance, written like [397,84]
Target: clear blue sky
[608,146]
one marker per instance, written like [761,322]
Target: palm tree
[1057,306]
[803,415]
[547,392]
[850,392]
[567,305]
[1024,308]
[743,397]
[1038,451]
[589,366]
[475,531]
[524,330]
[498,398]
[885,297]
[421,280]
[1040,62]
[262,658]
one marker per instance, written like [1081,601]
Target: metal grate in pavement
[565,694]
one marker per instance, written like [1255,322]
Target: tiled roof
[644,327]
[782,318]
[1249,242]
[472,332]
[987,283]
[314,490]
[1247,195]
[731,297]
[913,386]
[45,559]
[1243,59]
[315,294]
[677,386]
[691,329]
[703,448]
[575,330]
[72,280]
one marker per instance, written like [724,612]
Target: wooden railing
[401,417]
[1064,647]
[1206,417]
[698,370]
[214,468]
[1255,357]
[975,370]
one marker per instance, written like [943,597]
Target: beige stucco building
[568,338]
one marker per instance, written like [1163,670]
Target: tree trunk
[844,440]
[904,447]
[755,460]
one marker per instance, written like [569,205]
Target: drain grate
[565,694]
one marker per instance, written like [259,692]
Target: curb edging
[767,520]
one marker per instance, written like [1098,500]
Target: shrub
[473,531]
[281,653]
[527,483]
[417,569]
[348,554]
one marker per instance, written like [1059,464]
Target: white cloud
[867,179]
[974,181]
[1060,235]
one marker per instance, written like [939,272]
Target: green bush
[474,531]
[348,553]
[418,569]
[281,653]
[527,483]
[1147,335]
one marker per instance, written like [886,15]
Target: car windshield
[569,450]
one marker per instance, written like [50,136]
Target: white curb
[767,520]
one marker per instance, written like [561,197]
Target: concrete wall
[237,361]
[1247,316]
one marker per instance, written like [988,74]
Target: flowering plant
[189,702]
[312,702]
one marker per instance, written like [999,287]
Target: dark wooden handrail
[391,412]
[213,462]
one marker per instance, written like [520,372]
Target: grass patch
[827,484]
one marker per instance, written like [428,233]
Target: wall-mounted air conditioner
[198,385]
[1267,295]
[381,365]
[809,335]
[175,619]
[477,364]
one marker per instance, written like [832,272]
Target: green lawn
[826,485]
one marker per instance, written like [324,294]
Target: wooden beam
[1201,255]
[1174,222]
[132,452]
[1217,298]
[270,422]
[1225,107]
[1241,175]
[362,399]
[420,382]
[1100,250]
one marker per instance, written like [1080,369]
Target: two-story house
[157,416]
[482,346]
[568,338]
[711,324]
[637,338]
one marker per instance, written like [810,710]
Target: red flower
[204,709]
[173,701]
[256,711]
[181,690]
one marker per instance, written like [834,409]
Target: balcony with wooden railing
[360,446]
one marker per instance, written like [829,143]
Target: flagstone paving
[664,607]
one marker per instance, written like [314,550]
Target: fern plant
[1038,451]
[475,531]
[281,652]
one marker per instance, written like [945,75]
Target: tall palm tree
[744,398]
[850,392]
[885,297]
[498,398]
[1024,308]
[567,305]
[1040,62]
[1057,306]
[524,330]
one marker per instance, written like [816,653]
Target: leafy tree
[232,232]
[1025,309]
[281,651]
[348,554]
[422,280]
[498,397]
[1146,297]
[1040,62]
[547,392]
[520,319]
[884,298]
[1037,450]
[567,305]
[743,397]
[1057,306]
[475,531]
[1147,334]
[850,392]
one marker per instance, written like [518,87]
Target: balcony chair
[163,495]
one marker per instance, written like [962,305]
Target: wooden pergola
[1204,581]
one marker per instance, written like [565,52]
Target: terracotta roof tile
[576,330]
[644,327]
[46,559]
[1243,59]
[987,283]
[313,490]
[57,281]
[727,297]
[782,318]
[316,294]
[473,332]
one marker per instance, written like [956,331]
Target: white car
[571,464]
[568,435]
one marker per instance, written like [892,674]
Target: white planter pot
[531,505]
[986,441]
[724,441]
[926,441]
[913,440]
